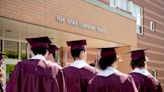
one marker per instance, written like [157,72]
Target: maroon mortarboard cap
[40,45]
[44,39]
[52,48]
[77,44]
[107,52]
[1,55]
[136,54]
[38,42]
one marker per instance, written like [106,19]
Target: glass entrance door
[15,51]
[9,66]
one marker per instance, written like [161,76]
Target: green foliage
[9,70]
[11,54]
[23,56]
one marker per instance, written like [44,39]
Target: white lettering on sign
[82,25]
[72,22]
[60,19]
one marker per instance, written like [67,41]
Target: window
[154,73]
[23,51]
[137,12]
[112,3]
[133,9]
[122,4]
[139,30]
[152,26]
[11,49]
[130,4]
[125,5]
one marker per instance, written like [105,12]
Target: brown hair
[138,63]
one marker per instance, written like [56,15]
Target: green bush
[11,54]
[9,70]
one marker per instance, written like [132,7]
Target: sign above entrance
[79,24]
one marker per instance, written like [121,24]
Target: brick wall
[153,11]
[44,12]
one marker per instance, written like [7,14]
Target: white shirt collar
[79,64]
[108,71]
[39,56]
[142,71]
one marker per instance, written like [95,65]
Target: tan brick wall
[153,11]
[43,13]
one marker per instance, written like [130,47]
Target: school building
[103,23]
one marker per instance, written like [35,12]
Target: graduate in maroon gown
[35,74]
[52,62]
[144,81]
[52,53]
[78,74]
[109,79]
[1,72]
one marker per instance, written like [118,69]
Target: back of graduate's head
[39,50]
[77,49]
[140,63]
[138,59]
[105,62]
[76,53]
[39,45]
[108,57]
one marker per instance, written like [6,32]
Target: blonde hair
[1,72]
[1,75]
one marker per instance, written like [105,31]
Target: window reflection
[11,49]
[23,51]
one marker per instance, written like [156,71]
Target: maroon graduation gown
[116,82]
[146,83]
[77,79]
[28,76]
